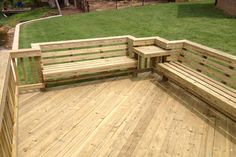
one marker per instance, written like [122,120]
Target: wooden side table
[149,55]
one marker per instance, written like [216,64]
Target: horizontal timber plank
[208,71]
[83,51]
[207,95]
[91,69]
[83,57]
[210,51]
[177,44]
[144,41]
[31,86]
[23,53]
[91,76]
[217,64]
[201,80]
[221,86]
[83,66]
[86,63]
[4,75]
[82,43]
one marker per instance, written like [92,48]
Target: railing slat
[8,103]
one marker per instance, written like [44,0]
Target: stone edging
[15,44]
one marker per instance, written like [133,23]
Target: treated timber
[8,108]
[86,67]
[161,42]
[206,69]
[31,86]
[4,78]
[210,51]
[122,117]
[83,57]
[151,51]
[144,41]
[84,51]
[177,44]
[25,53]
[82,43]
[210,61]
[200,88]
[127,118]
[27,62]
[216,64]
[92,77]
[67,59]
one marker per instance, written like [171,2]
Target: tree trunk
[75,3]
[58,7]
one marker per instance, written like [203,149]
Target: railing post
[131,40]
[29,66]
[8,107]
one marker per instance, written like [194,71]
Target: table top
[151,51]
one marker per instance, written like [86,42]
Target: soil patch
[6,37]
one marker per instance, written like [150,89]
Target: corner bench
[207,73]
[220,96]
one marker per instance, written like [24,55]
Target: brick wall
[229,6]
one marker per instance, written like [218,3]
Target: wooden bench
[87,67]
[207,73]
[72,59]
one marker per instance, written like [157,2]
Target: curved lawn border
[15,44]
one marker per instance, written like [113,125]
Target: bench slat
[216,64]
[80,68]
[82,43]
[84,66]
[216,100]
[77,72]
[85,63]
[83,57]
[83,51]
[211,81]
[230,59]
[202,81]
[98,65]
[208,70]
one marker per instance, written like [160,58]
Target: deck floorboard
[122,117]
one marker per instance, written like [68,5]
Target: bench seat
[88,67]
[215,93]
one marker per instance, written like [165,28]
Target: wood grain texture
[87,67]
[8,108]
[122,117]
[27,66]
[4,78]
[203,86]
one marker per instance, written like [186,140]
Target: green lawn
[33,14]
[197,21]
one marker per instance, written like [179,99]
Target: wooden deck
[122,117]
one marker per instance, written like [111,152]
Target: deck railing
[23,69]
[213,63]
[28,63]
[27,67]
[8,108]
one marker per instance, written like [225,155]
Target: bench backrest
[80,50]
[213,63]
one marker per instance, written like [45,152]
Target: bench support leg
[164,78]
[43,89]
[134,74]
